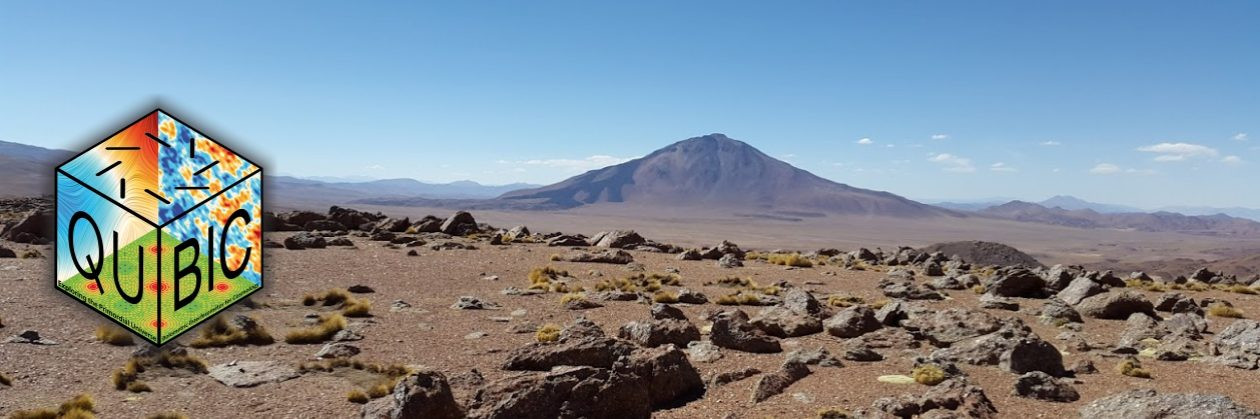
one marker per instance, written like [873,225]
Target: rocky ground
[450,318]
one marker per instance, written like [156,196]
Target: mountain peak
[716,171]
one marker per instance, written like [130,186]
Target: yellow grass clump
[79,407]
[833,413]
[844,300]
[357,396]
[790,259]
[381,386]
[928,374]
[665,297]
[327,326]
[548,333]
[114,335]
[1133,368]
[1224,310]
[128,377]
[218,333]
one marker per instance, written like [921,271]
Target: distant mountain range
[27,170]
[1071,203]
[1215,225]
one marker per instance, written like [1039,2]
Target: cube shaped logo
[159,228]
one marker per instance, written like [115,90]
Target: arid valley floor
[977,341]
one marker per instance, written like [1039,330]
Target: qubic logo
[159,228]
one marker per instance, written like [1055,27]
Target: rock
[600,352]
[517,233]
[724,378]
[722,249]
[666,373]
[730,261]
[36,227]
[1185,324]
[660,331]
[1080,289]
[252,373]
[31,337]
[450,245]
[952,398]
[1032,354]
[951,325]
[460,224]
[907,289]
[858,350]
[690,254]
[7,253]
[360,289]
[413,252]
[994,302]
[1041,386]
[567,241]
[428,224]
[384,236]
[852,322]
[581,304]
[305,241]
[802,302]
[703,351]
[476,335]
[340,241]
[581,328]
[579,392]
[1138,327]
[423,394]
[618,257]
[782,322]
[323,225]
[1058,276]
[619,239]
[892,313]
[984,253]
[1240,341]
[1115,305]
[1084,366]
[987,349]
[1147,404]
[776,382]
[818,356]
[1176,302]
[947,283]
[352,218]
[468,302]
[1017,282]
[687,296]
[1057,312]
[731,329]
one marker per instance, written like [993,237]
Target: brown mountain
[28,170]
[1213,225]
[715,171]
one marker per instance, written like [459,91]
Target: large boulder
[598,352]
[568,392]
[1147,404]
[984,253]
[945,327]
[301,241]
[1032,354]
[619,239]
[1080,289]
[1115,305]
[852,322]
[666,373]
[1041,386]
[1017,282]
[775,383]
[460,224]
[668,326]
[1239,344]
[732,329]
[352,218]
[783,322]
[36,227]
[418,395]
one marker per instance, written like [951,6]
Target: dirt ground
[432,335]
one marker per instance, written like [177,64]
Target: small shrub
[128,377]
[138,387]
[1223,310]
[833,413]
[379,390]
[979,289]
[1133,368]
[548,333]
[665,297]
[32,254]
[541,278]
[113,335]
[5,380]
[1242,289]
[1197,286]
[328,326]
[928,374]
[571,297]
[878,304]
[790,259]
[328,298]
[356,307]
[218,333]
[357,396]
[79,407]
[728,300]
[555,257]
[844,300]
[1145,285]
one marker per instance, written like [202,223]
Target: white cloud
[1242,136]
[593,162]
[940,136]
[891,146]
[1232,160]
[1171,152]
[1051,143]
[1002,167]
[865,141]
[952,163]
[1105,169]
[374,167]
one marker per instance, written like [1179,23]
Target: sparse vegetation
[548,333]
[79,407]
[833,413]
[357,307]
[1224,310]
[844,300]
[665,297]
[979,289]
[1133,368]
[571,297]
[5,380]
[114,335]
[556,257]
[928,374]
[357,396]
[1197,286]
[1241,289]
[551,279]
[634,283]
[878,304]
[382,386]
[790,259]
[32,254]
[322,331]
[1145,285]
[218,333]
[348,304]
[128,377]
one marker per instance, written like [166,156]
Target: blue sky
[1140,103]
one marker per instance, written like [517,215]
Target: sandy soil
[432,335]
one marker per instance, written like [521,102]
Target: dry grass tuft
[979,289]
[1133,368]
[357,396]
[548,333]
[844,300]
[833,413]
[114,335]
[382,386]
[665,297]
[571,297]
[1197,286]
[128,377]
[1145,285]
[328,326]
[349,305]
[1242,289]
[79,407]
[790,259]
[550,279]
[1223,310]
[357,307]
[5,380]
[928,374]
[878,304]
[218,333]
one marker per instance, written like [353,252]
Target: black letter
[191,269]
[139,274]
[233,273]
[95,273]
